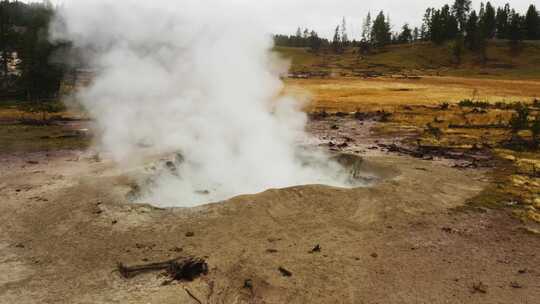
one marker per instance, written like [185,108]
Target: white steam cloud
[196,77]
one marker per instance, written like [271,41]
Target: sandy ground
[65,222]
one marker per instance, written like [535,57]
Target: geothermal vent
[198,81]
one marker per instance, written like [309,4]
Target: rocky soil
[414,237]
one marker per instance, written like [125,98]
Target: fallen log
[178,269]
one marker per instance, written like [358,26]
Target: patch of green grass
[12,104]
[498,194]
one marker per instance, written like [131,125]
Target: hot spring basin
[361,173]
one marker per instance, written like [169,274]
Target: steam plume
[196,77]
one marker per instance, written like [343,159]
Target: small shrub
[501,105]
[535,130]
[478,111]
[514,106]
[520,120]
[444,106]
[468,103]
[482,104]
[435,131]
[319,115]
[384,116]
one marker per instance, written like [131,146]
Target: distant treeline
[27,68]
[458,23]
[304,38]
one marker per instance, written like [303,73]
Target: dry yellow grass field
[349,94]
[416,116]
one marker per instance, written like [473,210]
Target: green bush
[535,130]
[520,120]
[444,106]
[468,103]
[435,131]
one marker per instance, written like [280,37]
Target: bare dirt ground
[414,237]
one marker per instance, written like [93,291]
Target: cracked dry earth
[65,222]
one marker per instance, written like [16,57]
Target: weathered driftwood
[178,269]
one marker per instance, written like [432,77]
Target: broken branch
[179,268]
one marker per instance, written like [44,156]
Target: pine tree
[503,21]
[532,23]
[482,10]
[406,35]
[344,36]
[315,42]
[461,10]
[298,38]
[427,24]
[416,34]
[380,32]
[437,27]
[449,24]
[424,33]
[336,41]
[515,29]
[298,33]
[443,25]
[389,27]
[488,22]
[366,28]
[40,77]
[472,32]
[4,38]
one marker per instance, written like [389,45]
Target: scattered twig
[479,287]
[317,248]
[192,295]
[285,272]
[516,285]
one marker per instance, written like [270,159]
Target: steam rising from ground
[196,77]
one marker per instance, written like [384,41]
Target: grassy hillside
[421,59]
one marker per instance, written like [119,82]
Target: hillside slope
[420,59]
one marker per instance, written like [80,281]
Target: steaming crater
[166,182]
[198,81]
